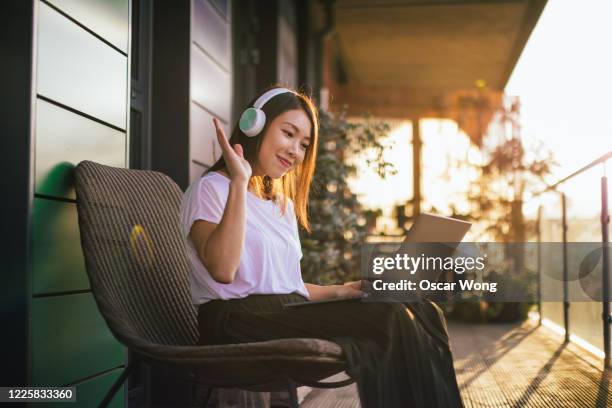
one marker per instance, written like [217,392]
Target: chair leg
[113,390]
[293,397]
[207,396]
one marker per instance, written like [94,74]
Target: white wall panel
[78,70]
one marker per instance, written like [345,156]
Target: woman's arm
[219,246]
[348,290]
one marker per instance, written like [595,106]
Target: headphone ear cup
[252,121]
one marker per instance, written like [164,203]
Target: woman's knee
[395,309]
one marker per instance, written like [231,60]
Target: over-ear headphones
[253,120]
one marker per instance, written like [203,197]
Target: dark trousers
[398,353]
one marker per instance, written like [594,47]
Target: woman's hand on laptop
[349,290]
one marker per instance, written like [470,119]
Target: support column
[170,89]
[416,167]
[17,35]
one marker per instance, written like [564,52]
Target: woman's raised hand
[238,167]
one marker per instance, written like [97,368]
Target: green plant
[508,173]
[339,222]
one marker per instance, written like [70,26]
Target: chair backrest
[134,255]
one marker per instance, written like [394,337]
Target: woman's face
[284,144]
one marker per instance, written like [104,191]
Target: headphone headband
[253,119]
[261,101]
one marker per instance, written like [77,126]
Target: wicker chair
[138,271]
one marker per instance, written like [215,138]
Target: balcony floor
[509,366]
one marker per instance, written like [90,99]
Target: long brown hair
[295,184]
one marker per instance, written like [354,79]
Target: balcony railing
[575,209]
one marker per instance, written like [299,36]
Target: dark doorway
[140,85]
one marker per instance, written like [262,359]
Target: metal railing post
[539,263]
[566,304]
[605,220]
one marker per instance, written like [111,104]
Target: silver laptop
[426,228]
[437,228]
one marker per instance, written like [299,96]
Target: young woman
[240,225]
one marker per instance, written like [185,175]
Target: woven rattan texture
[138,270]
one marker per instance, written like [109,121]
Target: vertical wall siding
[64,138]
[91,391]
[78,70]
[71,327]
[58,264]
[81,114]
[107,18]
[211,81]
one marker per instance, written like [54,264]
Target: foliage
[497,196]
[509,170]
[492,307]
[339,222]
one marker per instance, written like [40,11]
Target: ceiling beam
[416,3]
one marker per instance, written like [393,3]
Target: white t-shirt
[270,261]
